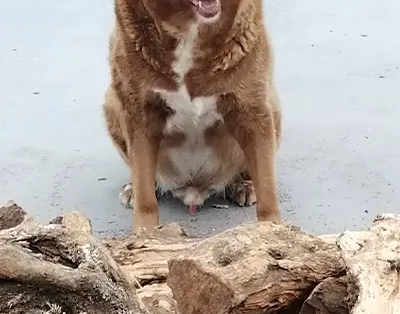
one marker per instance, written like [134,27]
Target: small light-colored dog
[192,106]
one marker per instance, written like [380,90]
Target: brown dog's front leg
[253,128]
[143,155]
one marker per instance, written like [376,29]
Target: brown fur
[232,58]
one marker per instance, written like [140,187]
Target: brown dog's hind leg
[241,191]
[140,152]
[126,195]
[111,110]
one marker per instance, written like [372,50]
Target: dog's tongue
[192,209]
[208,8]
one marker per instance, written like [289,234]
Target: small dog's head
[179,14]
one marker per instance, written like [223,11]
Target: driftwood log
[256,268]
[373,266]
[59,268]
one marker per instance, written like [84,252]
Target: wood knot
[225,253]
[276,254]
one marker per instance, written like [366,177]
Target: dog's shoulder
[136,37]
[238,56]
[244,40]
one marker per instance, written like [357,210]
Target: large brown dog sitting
[192,106]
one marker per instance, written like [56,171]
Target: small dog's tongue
[192,209]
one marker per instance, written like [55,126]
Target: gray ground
[337,68]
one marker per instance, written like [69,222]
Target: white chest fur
[192,117]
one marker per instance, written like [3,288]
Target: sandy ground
[337,67]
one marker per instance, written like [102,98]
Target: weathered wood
[144,257]
[157,299]
[59,268]
[254,268]
[11,215]
[144,260]
[328,297]
[373,266]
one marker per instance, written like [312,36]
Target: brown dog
[192,105]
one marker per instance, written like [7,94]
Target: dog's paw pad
[126,196]
[242,193]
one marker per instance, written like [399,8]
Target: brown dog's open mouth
[207,8]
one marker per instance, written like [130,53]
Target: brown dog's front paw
[275,218]
[126,196]
[242,193]
[146,217]
[142,226]
[272,217]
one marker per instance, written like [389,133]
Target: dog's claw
[242,193]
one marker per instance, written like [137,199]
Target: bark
[143,258]
[373,265]
[254,268]
[58,268]
[328,297]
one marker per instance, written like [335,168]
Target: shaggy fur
[192,105]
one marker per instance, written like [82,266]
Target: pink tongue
[192,209]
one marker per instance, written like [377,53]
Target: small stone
[220,206]
[36,93]
[101,179]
